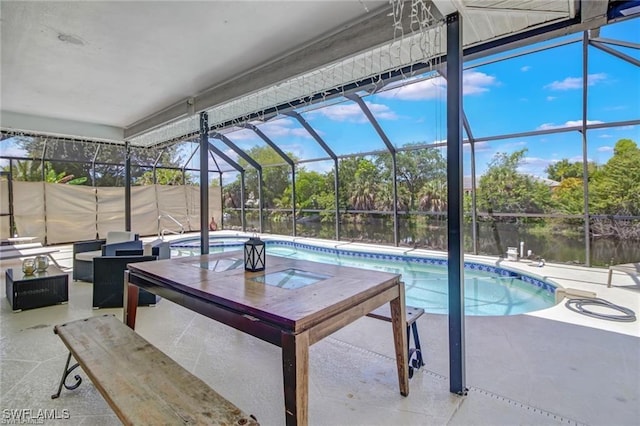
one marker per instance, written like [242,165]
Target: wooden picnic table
[291,304]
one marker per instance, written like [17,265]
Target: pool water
[426,285]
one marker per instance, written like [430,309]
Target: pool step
[415,354]
[561,293]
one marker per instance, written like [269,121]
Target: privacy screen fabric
[144,210]
[67,213]
[70,213]
[28,209]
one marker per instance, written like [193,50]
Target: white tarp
[172,203]
[110,210]
[70,212]
[28,209]
[5,221]
[76,213]
[144,210]
[215,204]
[193,207]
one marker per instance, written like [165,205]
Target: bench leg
[415,354]
[409,351]
[419,361]
[65,374]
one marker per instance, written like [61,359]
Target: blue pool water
[488,290]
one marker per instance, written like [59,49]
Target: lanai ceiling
[112,70]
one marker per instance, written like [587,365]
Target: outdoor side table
[35,291]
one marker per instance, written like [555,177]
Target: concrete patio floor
[548,367]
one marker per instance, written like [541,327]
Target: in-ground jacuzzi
[488,289]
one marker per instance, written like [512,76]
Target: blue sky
[541,90]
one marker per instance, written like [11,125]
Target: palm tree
[362,196]
[433,196]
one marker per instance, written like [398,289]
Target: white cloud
[570,83]
[318,166]
[510,145]
[525,68]
[473,82]
[479,147]
[606,136]
[432,88]
[535,165]
[242,135]
[296,149]
[605,149]
[551,98]
[570,123]
[351,112]
[283,128]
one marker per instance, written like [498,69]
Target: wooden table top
[334,289]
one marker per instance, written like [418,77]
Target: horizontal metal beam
[492,47]
[559,130]
[60,128]
[532,36]
[523,52]
[174,112]
[372,31]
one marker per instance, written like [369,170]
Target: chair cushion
[120,236]
[88,256]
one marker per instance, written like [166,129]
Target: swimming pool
[488,290]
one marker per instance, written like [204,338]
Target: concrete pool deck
[552,366]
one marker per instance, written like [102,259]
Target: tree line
[366,185]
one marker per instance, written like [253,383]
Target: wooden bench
[415,354]
[140,383]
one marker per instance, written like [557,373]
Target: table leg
[130,302]
[398,321]
[295,366]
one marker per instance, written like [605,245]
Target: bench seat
[140,383]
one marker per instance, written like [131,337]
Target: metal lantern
[254,254]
